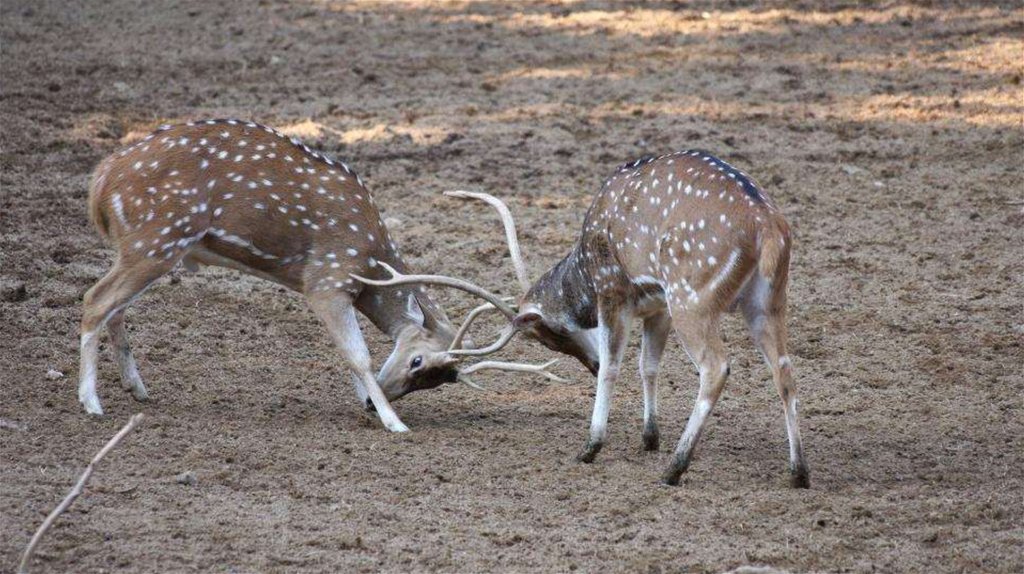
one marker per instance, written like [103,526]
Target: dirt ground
[889,132]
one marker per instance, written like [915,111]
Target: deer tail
[97,214]
[773,262]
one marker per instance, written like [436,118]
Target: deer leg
[613,331]
[700,337]
[110,296]
[656,330]
[768,329]
[338,314]
[130,378]
[360,388]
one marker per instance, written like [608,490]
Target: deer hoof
[672,476]
[800,478]
[589,452]
[397,427]
[675,471]
[652,440]
[92,405]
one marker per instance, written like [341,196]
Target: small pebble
[10,424]
[187,478]
[54,374]
[13,291]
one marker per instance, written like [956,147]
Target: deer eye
[416,362]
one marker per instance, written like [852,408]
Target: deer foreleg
[612,333]
[339,316]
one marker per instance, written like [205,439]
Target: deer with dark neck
[673,242]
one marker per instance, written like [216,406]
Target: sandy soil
[890,135]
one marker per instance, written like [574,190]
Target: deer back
[687,224]
[245,193]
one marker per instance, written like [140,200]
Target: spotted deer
[674,241]
[241,195]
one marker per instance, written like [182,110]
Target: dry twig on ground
[77,490]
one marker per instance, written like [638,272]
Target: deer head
[420,358]
[558,313]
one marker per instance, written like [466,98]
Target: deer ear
[413,310]
[434,319]
[526,319]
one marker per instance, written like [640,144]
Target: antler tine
[469,383]
[506,335]
[402,279]
[461,333]
[517,367]
[510,231]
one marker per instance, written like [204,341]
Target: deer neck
[568,287]
[387,306]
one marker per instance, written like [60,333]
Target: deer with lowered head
[241,195]
[675,242]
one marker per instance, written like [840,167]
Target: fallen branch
[77,490]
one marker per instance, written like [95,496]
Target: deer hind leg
[613,334]
[656,330]
[765,312]
[701,339]
[338,314]
[106,299]
[130,378]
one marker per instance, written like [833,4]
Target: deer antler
[461,284]
[461,333]
[510,231]
[504,366]
[469,383]
[398,278]
[506,335]
[517,367]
